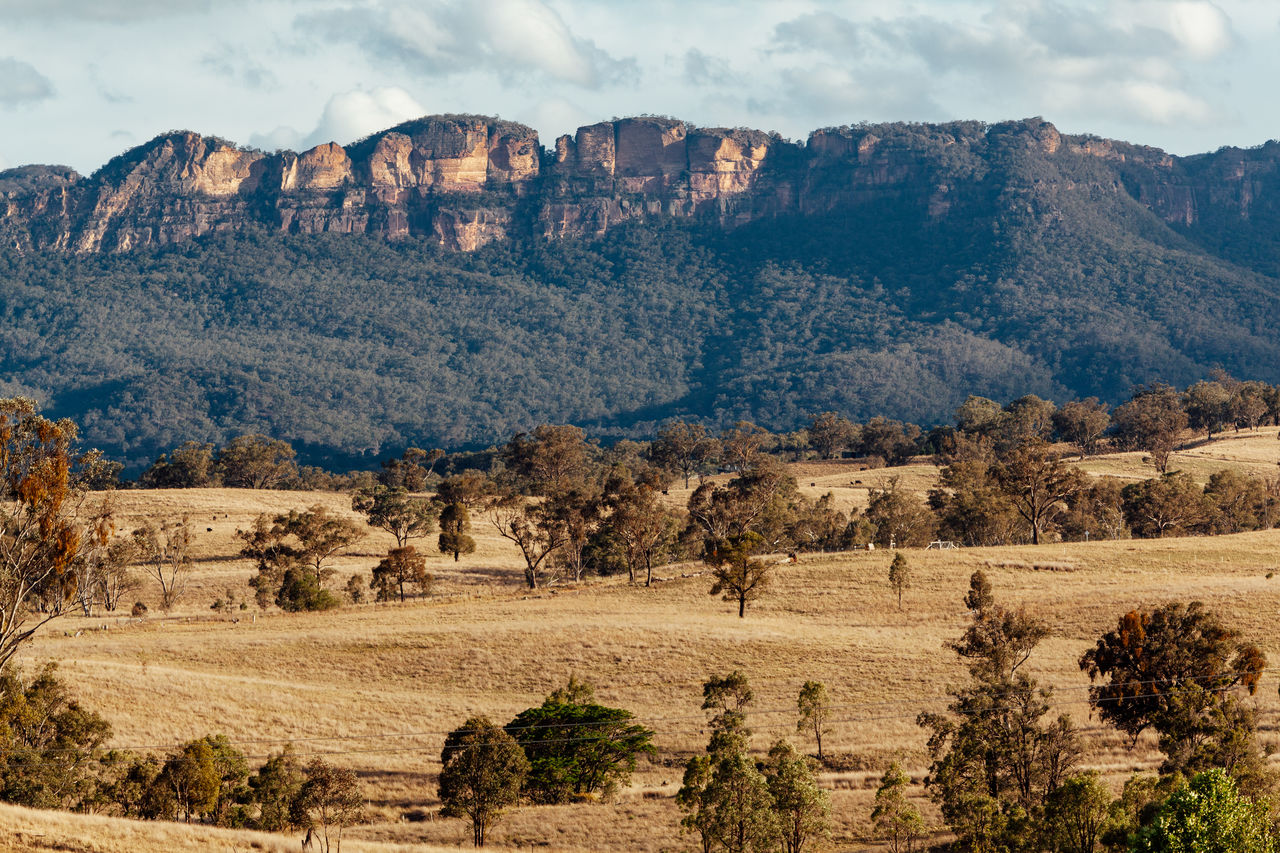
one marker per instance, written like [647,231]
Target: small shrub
[139,610]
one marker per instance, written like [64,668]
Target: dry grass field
[376,687]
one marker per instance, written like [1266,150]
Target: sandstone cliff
[467,180]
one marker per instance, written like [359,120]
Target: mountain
[449,281]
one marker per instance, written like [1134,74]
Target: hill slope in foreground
[190,290]
[376,687]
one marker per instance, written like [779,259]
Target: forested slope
[1023,273]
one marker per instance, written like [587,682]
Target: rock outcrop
[465,181]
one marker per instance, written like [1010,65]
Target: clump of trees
[729,802]
[293,552]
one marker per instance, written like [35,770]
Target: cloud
[238,65]
[703,70]
[826,32]
[21,83]
[439,38]
[113,11]
[347,116]
[1124,58]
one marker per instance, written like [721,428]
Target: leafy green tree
[274,788]
[1208,406]
[577,749]
[1208,815]
[455,529]
[49,744]
[993,758]
[1037,484]
[483,772]
[189,784]
[401,566]
[729,805]
[257,462]
[971,505]
[802,808]
[640,528]
[397,512]
[899,576]
[329,800]
[737,576]
[189,466]
[551,459]
[815,709]
[1076,814]
[897,821]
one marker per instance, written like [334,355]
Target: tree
[1037,483]
[736,574]
[899,576]
[483,771]
[993,760]
[293,551]
[729,804]
[533,528]
[971,505]
[642,528]
[455,525]
[190,466]
[577,748]
[830,434]
[49,745]
[274,788]
[1168,505]
[1208,815]
[188,785]
[743,443]
[684,447]
[815,709]
[470,489]
[900,519]
[551,459]
[401,566]
[1082,422]
[408,471]
[578,512]
[329,800]
[166,550]
[257,462]
[1152,420]
[39,478]
[396,512]
[1076,813]
[1208,406]
[897,821]
[1168,669]
[802,808]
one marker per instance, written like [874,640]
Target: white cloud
[21,83]
[510,38]
[351,115]
[1202,29]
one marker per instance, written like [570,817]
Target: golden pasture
[376,687]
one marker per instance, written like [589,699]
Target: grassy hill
[376,687]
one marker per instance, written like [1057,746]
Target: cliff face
[465,180]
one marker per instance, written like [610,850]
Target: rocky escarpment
[465,181]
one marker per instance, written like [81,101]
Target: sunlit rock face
[465,181]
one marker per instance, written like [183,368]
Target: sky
[83,80]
